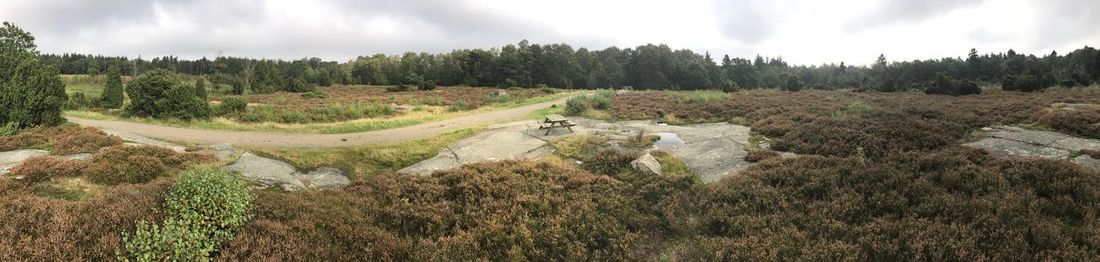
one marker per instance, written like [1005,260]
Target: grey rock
[1088,161]
[1006,147]
[505,142]
[324,178]
[10,159]
[223,151]
[1029,136]
[647,164]
[1077,144]
[266,172]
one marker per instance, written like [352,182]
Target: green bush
[112,94]
[160,93]
[77,101]
[200,88]
[314,95]
[459,106]
[579,104]
[426,85]
[398,88]
[232,104]
[202,212]
[31,93]
[433,101]
[945,85]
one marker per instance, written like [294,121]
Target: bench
[555,121]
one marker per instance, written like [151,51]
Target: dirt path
[272,139]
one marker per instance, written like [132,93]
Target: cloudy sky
[801,31]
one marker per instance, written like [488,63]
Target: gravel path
[273,139]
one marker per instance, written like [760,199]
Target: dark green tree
[31,93]
[793,83]
[200,88]
[112,94]
[160,93]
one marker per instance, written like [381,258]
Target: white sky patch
[801,31]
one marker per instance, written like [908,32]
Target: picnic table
[555,121]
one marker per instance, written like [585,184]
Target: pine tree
[31,93]
[112,93]
[200,88]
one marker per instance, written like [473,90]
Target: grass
[365,161]
[352,126]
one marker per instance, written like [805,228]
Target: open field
[290,105]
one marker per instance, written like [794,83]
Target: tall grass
[702,96]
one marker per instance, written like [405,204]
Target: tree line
[644,67]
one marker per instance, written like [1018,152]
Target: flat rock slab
[1088,161]
[223,151]
[10,159]
[266,172]
[1019,142]
[1006,147]
[711,151]
[503,142]
[142,140]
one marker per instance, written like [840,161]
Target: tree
[31,93]
[160,93]
[200,88]
[112,94]
[793,84]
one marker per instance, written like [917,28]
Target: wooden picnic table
[555,121]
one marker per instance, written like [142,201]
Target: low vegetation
[60,140]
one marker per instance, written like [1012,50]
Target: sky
[800,31]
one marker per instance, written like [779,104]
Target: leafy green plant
[202,212]
[232,104]
[458,106]
[314,95]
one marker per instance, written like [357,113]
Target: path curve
[274,139]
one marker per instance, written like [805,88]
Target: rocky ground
[711,151]
[1019,142]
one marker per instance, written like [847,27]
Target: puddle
[668,141]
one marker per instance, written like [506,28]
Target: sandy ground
[272,139]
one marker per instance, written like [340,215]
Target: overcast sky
[801,31]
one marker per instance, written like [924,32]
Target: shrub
[582,103]
[793,84]
[159,93]
[611,162]
[459,106]
[232,104]
[1026,82]
[433,101]
[398,88]
[1083,122]
[314,95]
[44,168]
[38,228]
[139,164]
[112,93]
[944,85]
[63,139]
[77,101]
[31,93]
[200,88]
[760,155]
[426,85]
[702,96]
[202,212]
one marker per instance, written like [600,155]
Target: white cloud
[802,31]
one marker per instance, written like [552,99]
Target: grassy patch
[580,146]
[369,160]
[672,166]
[428,114]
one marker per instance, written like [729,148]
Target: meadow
[882,177]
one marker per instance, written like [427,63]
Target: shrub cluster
[944,85]
[39,228]
[1083,122]
[202,212]
[582,103]
[760,155]
[113,165]
[231,105]
[61,140]
[31,93]
[952,204]
[160,93]
[314,95]
[509,210]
